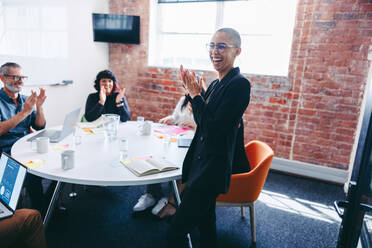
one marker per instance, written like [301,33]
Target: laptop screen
[12,175]
[70,121]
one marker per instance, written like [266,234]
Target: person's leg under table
[170,207]
[39,199]
[35,189]
[155,190]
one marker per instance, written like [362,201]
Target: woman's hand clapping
[190,82]
[102,95]
[119,97]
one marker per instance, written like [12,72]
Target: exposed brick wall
[309,116]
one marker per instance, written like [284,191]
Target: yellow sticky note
[93,130]
[61,147]
[88,130]
[34,164]
[126,161]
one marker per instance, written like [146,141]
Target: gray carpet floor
[291,212]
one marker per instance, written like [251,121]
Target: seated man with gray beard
[17,116]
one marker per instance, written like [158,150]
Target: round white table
[97,160]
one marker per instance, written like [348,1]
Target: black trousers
[34,187]
[197,209]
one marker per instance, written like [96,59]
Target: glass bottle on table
[123,148]
[140,122]
[77,135]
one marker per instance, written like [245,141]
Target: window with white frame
[34,34]
[179,32]
[33,28]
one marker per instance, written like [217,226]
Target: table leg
[178,202]
[52,203]
[176,193]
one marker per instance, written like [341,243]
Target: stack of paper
[171,130]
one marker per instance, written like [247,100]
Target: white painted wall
[86,59]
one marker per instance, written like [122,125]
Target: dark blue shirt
[8,109]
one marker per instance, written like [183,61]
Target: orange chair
[246,187]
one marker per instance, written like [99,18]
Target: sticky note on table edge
[61,147]
[34,164]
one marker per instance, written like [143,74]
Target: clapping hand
[29,104]
[203,84]
[102,95]
[40,98]
[119,97]
[190,82]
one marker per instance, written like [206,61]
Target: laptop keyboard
[44,133]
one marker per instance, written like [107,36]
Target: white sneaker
[144,202]
[159,206]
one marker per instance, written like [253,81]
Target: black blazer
[218,145]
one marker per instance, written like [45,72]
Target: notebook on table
[149,165]
[57,135]
[12,175]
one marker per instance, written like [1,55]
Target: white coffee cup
[41,144]
[68,159]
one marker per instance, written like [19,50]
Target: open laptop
[12,175]
[57,135]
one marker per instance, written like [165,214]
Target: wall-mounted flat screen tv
[116,28]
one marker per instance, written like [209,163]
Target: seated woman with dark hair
[182,115]
[109,99]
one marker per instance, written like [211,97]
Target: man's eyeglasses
[16,78]
[221,47]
